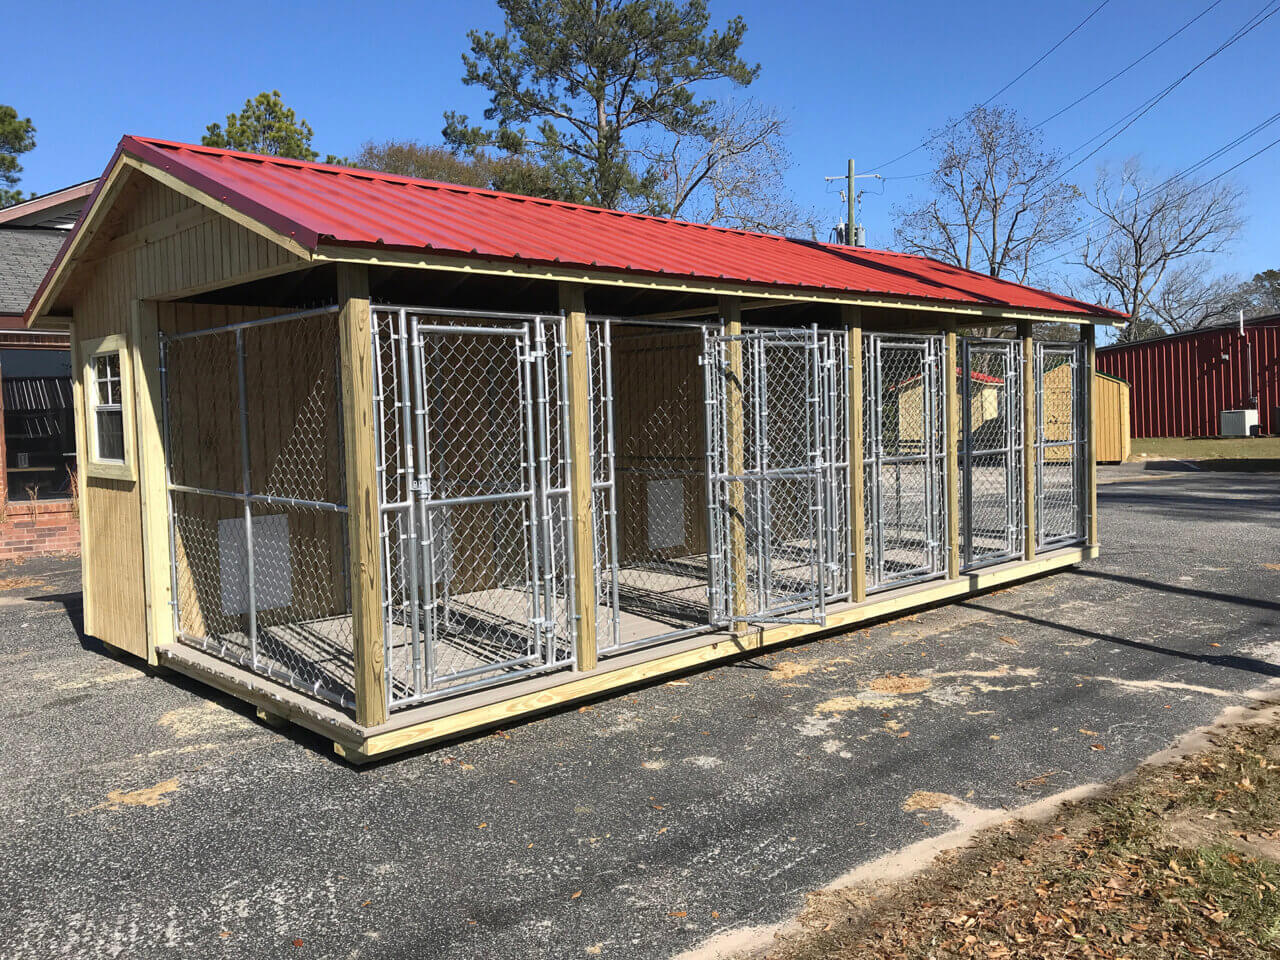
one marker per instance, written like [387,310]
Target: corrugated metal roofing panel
[317,203]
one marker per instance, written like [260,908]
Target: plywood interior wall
[660,422]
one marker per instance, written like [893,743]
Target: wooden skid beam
[573,303]
[518,707]
[363,527]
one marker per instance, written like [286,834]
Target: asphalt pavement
[146,816]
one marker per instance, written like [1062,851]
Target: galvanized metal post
[251,599]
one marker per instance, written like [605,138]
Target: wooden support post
[1029,394]
[950,364]
[852,317]
[735,426]
[1088,333]
[153,489]
[573,303]
[364,558]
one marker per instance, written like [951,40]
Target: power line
[1120,73]
[1180,175]
[1074,30]
[1079,100]
[1133,116]
[1148,104]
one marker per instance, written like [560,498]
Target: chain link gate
[904,458]
[777,488]
[254,456]
[1062,399]
[990,453]
[473,467]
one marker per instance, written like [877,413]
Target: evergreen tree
[579,86]
[17,136]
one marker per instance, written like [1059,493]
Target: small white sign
[665,513]
[272,564]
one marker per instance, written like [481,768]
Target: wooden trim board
[422,726]
[558,273]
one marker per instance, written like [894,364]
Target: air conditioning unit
[1238,423]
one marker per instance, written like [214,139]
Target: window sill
[110,471]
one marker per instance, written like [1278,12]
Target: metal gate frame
[1010,448]
[415,534]
[761,602]
[932,457]
[1074,444]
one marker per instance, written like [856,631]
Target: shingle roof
[26,254]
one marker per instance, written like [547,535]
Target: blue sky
[860,79]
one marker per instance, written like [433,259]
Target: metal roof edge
[162,159]
[1265,320]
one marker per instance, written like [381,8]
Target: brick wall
[38,529]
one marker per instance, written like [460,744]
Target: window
[108,412]
[108,419]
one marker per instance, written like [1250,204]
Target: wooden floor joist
[497,707]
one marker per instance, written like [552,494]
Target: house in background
[37,445]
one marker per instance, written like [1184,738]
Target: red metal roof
[316,203]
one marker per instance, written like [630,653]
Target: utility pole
[851,203]
[851,231]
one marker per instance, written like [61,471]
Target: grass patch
[1181,861]
[1206,448]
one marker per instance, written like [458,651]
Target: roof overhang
[766,295]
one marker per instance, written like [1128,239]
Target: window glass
[109,418]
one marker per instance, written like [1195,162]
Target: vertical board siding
[197,253]
[1180,385]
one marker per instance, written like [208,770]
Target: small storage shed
[395,460]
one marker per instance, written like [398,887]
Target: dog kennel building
[394,460]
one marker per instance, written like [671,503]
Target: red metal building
[1181,383]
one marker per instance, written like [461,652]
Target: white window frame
[90,352]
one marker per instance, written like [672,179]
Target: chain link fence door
[990,460]
[1061,417]
[904,458]
[473,467]
[784,472]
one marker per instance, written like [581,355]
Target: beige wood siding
[158,243]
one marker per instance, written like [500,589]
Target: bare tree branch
[996,199]
[1148,252]
[731,175]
